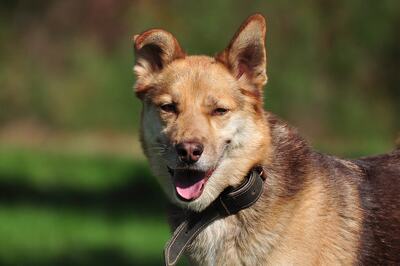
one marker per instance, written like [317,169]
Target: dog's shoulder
[376,178]
[382,175]
[379,193]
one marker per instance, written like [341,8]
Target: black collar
[230,202]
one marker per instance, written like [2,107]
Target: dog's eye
[168,107]
[219,111]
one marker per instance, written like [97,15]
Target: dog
[204,128]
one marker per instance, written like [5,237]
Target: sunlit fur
[315,209]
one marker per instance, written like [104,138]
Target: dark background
[75,188]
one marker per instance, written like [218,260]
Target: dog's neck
[229,202]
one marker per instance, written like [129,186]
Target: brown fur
[315,209]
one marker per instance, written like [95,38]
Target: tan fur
[306,230]
[310,212]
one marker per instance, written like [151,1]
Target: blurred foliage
[333,70]
[333,65]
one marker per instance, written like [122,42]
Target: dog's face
[202,123]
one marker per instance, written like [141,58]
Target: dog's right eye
[219,111]
[169,108]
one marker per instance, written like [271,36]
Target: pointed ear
[154,49]
[245,55]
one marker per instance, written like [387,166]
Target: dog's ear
[245,55]
[154,49]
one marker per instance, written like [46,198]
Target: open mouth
[189,184]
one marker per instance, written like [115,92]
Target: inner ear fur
[154,49]
[245,55]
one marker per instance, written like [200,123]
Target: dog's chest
[224,242]
[213,244]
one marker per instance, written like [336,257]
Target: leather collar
[230,202]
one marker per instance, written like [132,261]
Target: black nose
[189,151]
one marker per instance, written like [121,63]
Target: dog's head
[203,125]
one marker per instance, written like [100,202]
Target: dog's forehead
[197,75]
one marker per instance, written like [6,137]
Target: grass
[32,233]
[50,169]
[65,209]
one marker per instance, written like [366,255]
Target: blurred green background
[75,188]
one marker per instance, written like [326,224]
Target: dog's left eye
[219,111]
[169,108]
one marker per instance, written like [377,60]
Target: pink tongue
[190,192]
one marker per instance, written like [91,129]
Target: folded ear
[154,49]
[245,55]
